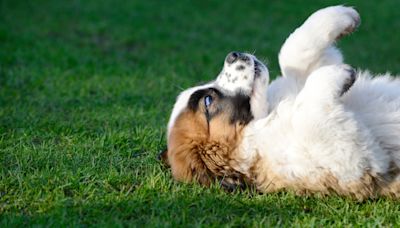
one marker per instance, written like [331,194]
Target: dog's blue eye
[208,100]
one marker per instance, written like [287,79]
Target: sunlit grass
[86,88]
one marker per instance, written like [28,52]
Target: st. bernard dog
[320,128]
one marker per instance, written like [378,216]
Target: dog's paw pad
[352,21]
[350,80]
[334,21]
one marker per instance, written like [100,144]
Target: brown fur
[201,152]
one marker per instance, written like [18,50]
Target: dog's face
[207,122]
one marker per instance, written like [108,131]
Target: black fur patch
[199,94]
[242,110]
[238,105]
[349,82]
[195,98]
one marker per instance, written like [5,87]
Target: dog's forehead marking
[182,102]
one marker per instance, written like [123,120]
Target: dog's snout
[232,57]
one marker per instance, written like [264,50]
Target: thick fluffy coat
[321,127]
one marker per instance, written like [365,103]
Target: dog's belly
[315,165]
[376,103]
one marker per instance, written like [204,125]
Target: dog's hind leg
[312,44]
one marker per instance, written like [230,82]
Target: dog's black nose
[232,57]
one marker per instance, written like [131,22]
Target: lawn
[86,88]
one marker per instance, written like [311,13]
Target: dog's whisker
[178,87]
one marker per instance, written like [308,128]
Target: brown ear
[203,175]
[163,157]
[187,166]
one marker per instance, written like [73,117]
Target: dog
[320,128]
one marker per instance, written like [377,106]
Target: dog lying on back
[320,128]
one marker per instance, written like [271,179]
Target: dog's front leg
[318,109]
[312,45]
[327,84]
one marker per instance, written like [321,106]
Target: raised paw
[334,21]
[330,81]
[352,18]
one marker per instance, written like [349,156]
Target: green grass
[86,88]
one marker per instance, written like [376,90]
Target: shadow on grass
[157,208]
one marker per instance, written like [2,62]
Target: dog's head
[207,122]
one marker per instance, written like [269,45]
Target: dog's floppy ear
[186,165]
[163,157]
[203,175]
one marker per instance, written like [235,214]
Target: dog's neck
[260,153]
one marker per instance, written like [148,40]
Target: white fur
[310,46]
[310,128]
